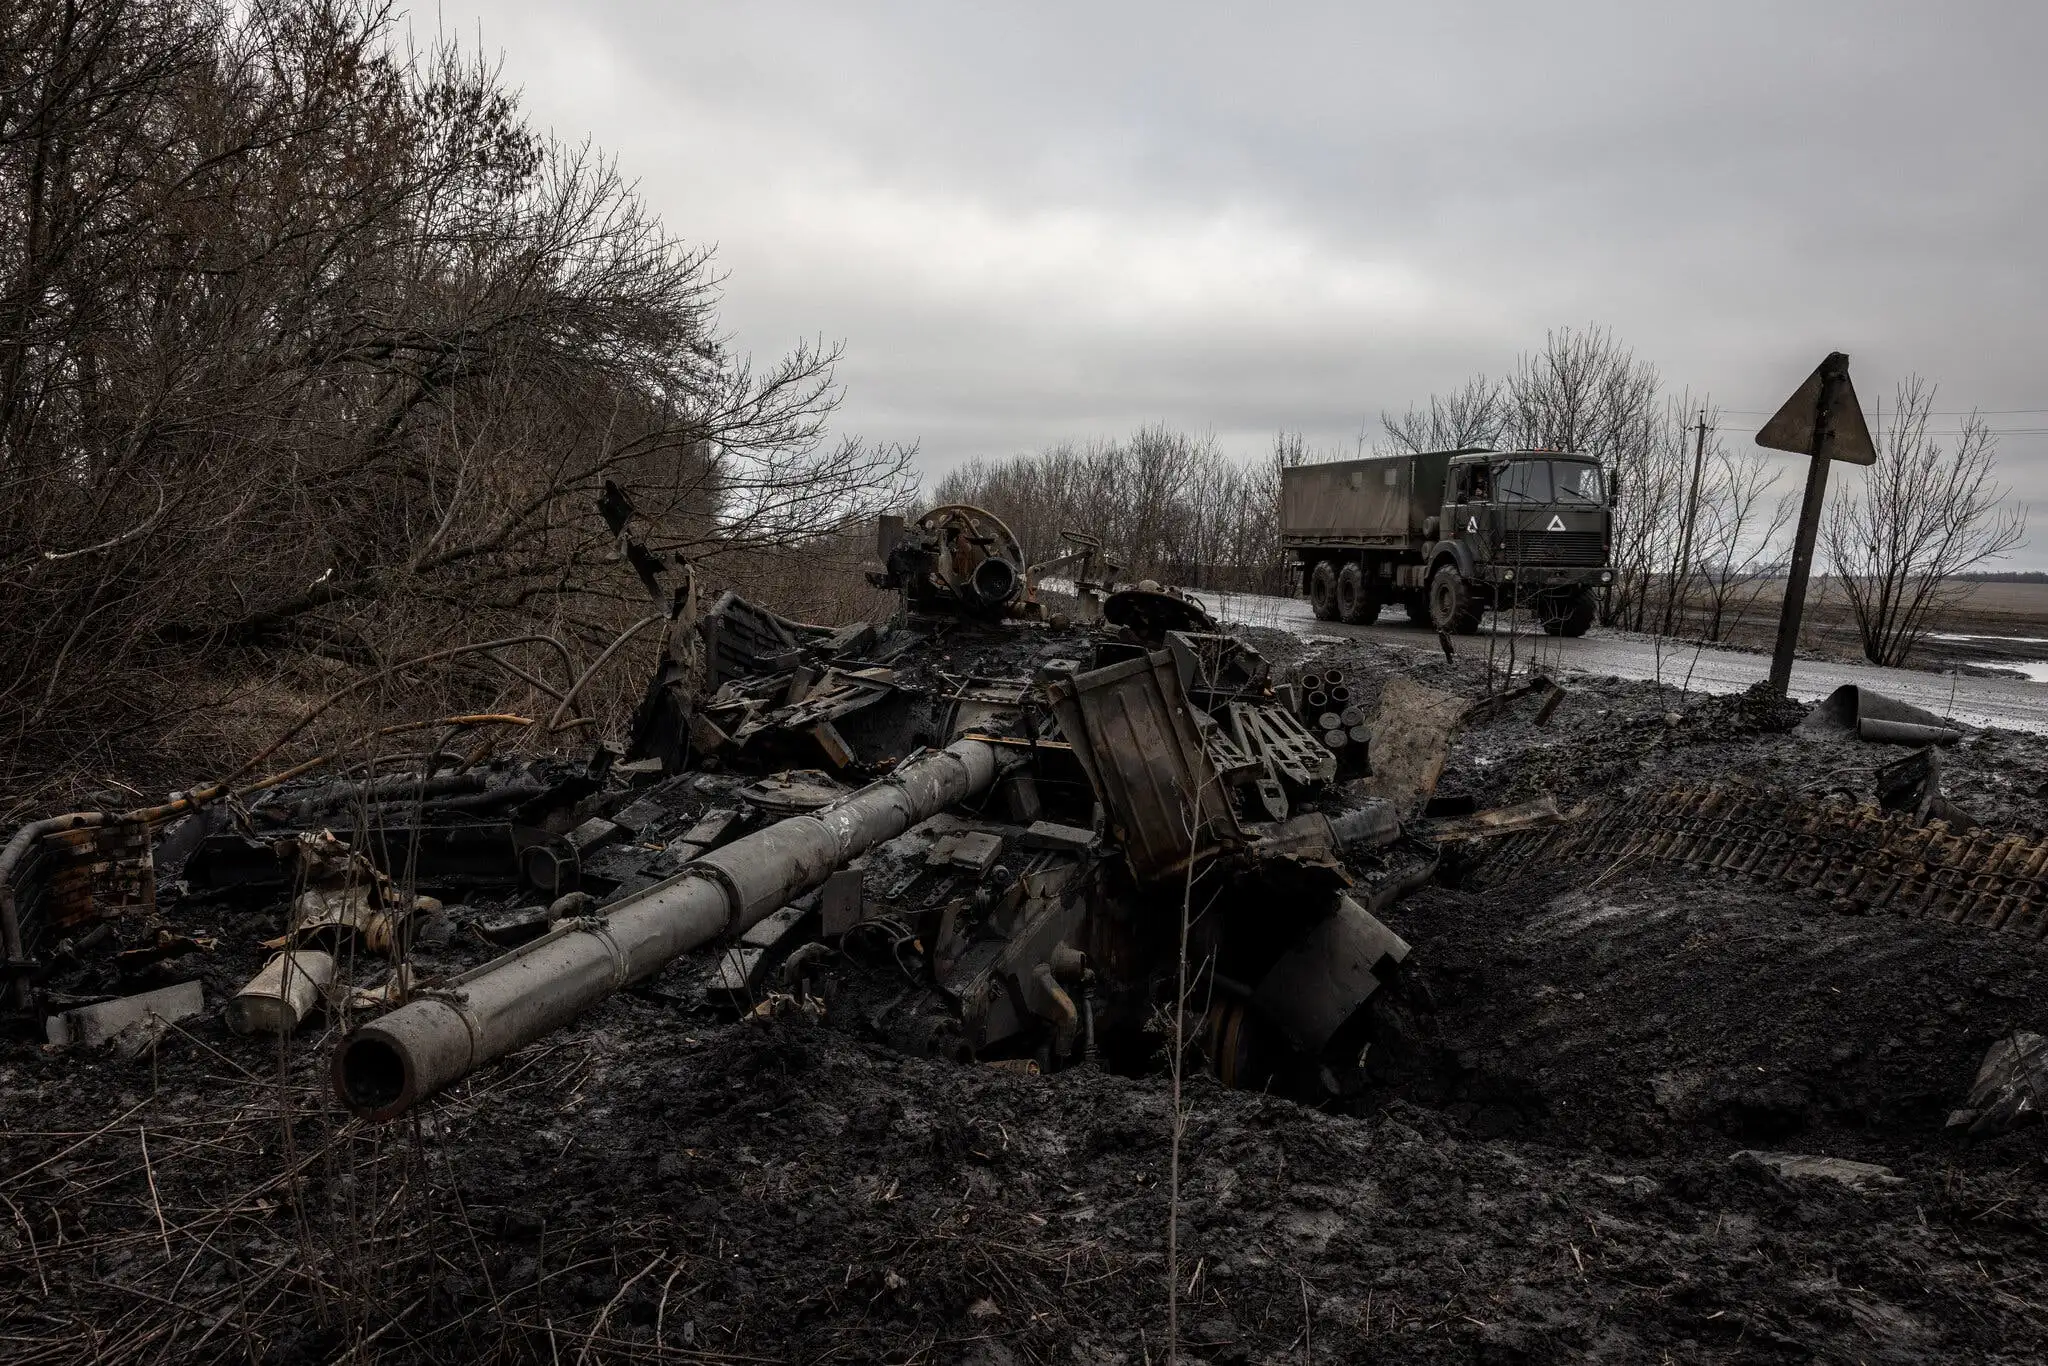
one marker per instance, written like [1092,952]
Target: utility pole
[1823,421]
[1673,603]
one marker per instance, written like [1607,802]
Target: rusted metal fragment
[742,639]
[740,966]
[1131,729]
[1411,741]
[335,918]
[842,902]
[283,995]
[96,1024]
[1272,735]
[1315,839]
[1505,820]
[2010,1092]
[1912,787]
[1319,983]
[1850,710]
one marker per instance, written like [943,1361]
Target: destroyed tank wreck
[1047,801]
[980,829]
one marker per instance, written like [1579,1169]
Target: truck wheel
[1416,603]
[1567,616]
[1356,602]
[1322,591]
[1451,608]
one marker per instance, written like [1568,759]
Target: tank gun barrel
[387,1066]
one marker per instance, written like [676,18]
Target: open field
[2007,624]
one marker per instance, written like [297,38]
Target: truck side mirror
[1613,487]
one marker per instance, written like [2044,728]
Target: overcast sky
[1047,221]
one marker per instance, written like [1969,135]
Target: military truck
[1451,534]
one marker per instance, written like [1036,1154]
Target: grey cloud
[1038,222]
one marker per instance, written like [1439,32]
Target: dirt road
[2013,703]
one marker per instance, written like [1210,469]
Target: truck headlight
[1607,576]
[1508,574]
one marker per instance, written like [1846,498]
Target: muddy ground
[1991,629]
[1552,1169]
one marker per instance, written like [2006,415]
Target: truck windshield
[1550,481]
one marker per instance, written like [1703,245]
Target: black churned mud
[777,1191]
[1552,1169]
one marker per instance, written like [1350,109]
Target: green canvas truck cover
[1381,500]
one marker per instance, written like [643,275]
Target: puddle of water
[2004,640]
[2034,669]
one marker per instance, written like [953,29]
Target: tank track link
[1872,860]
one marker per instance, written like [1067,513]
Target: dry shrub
[314,358]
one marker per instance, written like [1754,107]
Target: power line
[1932,412]
[1943,431]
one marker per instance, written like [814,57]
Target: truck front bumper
[1549,576]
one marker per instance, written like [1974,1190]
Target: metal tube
[387,1066]
[13,962]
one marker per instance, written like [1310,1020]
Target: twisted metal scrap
[1871,859]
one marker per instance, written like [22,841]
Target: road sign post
[1823,421]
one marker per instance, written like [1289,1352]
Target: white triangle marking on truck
[1556,523]
[1472,524]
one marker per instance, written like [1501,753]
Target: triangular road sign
[1791,428]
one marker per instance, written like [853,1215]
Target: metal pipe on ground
[406,786]
[384,1068]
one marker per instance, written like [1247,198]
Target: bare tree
[1584,391]
[1475,415]
[313,355]
[1923,515]
[1168,505]
[1739,541]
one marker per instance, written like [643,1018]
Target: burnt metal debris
[1853,711]
[979,828]
[1906,861]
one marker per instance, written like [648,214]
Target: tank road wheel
[1451,608]
[1357,603]
[1568,616]
[1322,591]
[1415,602]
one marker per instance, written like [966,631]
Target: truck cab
[1451,534]
[1520,528]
